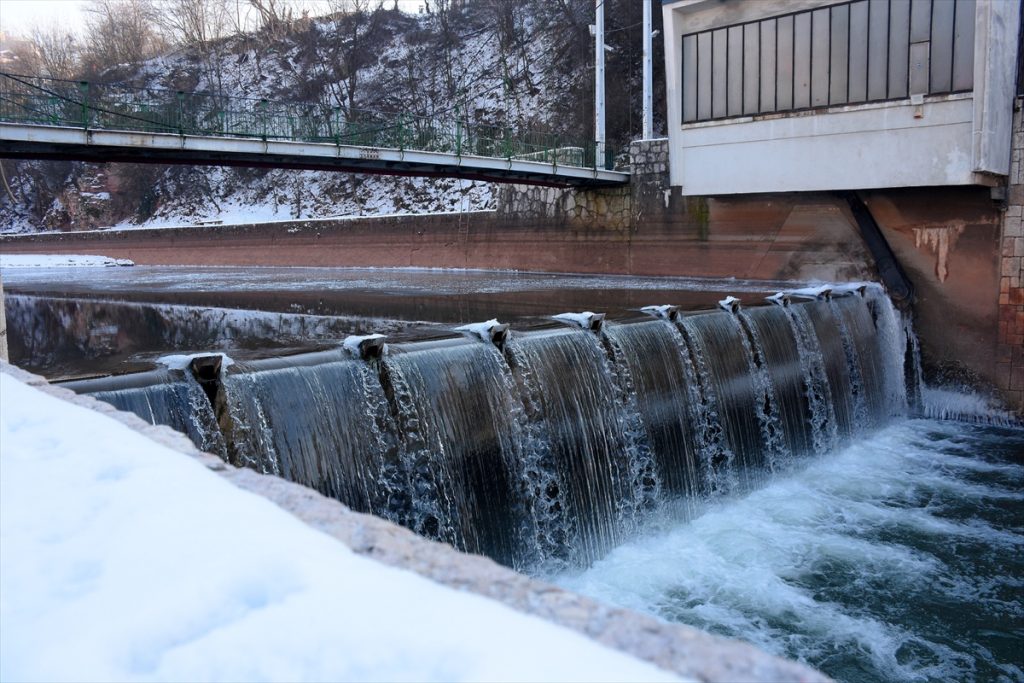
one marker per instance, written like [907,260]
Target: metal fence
[86,105]
[848,53]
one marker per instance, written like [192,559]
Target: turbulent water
[898,558]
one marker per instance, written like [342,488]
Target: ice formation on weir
[829,290]
[779,299]
[819,292]
[730,303]
[181,361]
[852,288]
[483,331]
[358,344]
[588,320]
[665,312]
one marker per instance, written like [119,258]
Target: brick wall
[1010,343]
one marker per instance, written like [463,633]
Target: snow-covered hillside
[524,65]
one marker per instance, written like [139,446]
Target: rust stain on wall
[940,240]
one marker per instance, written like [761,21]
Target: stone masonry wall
[616,209]
[1010,344]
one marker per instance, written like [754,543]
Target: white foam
[947,404]
[767,567]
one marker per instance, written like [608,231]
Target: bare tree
[274,15]
[56,51]
[195,22]
[350,46]
[121,32]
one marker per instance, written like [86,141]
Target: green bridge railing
[101,106]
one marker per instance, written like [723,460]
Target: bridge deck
[19,140]
[47,118]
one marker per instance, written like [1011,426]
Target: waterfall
[323,426]
[582,425]
[660,377]
[179,404]
[546,449]
[823,383]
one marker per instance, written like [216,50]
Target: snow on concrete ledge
[60,261]
[124,559]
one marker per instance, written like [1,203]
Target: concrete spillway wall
[952,242]
[684,650]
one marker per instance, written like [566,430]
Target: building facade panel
[922,61]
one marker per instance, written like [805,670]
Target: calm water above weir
[767,473]
[70,322]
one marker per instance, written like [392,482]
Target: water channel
[776,473]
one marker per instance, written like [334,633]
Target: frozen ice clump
[483,331]
[730,303]
[587,319]
[181,361]
[357,343]
[665,312]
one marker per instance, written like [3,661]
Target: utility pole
[648,79]
[599,84]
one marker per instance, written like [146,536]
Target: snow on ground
[59,261]
[124,560]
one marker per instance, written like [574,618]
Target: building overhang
[736,72]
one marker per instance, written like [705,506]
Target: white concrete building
[801,95]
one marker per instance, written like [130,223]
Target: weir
[545,449]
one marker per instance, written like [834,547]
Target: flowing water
[897,558]
[765,474]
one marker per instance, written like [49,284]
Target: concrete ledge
[685,650]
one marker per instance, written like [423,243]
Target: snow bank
[833,289]
[60,261]
[123,559]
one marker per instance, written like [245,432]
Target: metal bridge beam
[28,141]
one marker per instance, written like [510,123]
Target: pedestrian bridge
[42,118]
